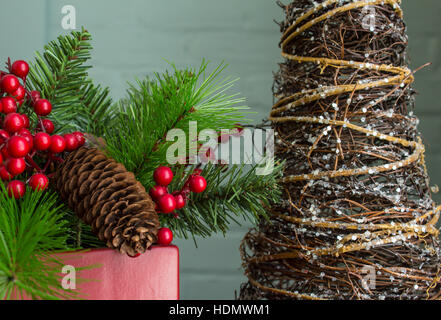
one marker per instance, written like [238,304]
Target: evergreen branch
[80,234]
[137,138]
[61,75]
[99,108]
[135,131]
[31,229]
[170,101]
[232,193]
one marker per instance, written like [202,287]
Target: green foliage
[61,75]
[137,135]
[232,192]
[31,229]
[80,234]
[135,130]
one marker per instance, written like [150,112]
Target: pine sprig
[137,138]
[233,194]
[135,130]
[169,101]
[31,230]
[61,75]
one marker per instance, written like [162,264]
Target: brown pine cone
[109,198]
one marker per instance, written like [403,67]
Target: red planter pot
[151,276]
[104,274]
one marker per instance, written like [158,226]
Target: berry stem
[9,65]
[51,175]
[52,158]
[40,121]
[33,164]
[57,159]
[29,96]
[48,162]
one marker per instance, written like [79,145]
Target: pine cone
[109,198]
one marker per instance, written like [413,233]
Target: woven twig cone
[109,198]
[357,220]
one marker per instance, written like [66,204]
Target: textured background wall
[132,38]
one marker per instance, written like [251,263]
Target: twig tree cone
[109,198]
[357,220]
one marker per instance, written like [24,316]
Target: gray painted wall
[133,37]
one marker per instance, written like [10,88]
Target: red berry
[71,142]
[135,256]
[15,166]
[58,144]
[4,174]
[163,176]
[39,182]
[9,83]
[35,95]
[180,201]
[167,203]
[25,120]
[1,159]
[24,132]
[42,141]
[48,126]
[20,68]
[13,123]
[157,192]
[16,189]
[9,105]
[80,138]
[198,184]
[19,93]
[29,139]
[18,147]
[4,135]
[165,236]
[4,152]
[42,107]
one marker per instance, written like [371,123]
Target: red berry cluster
[20,141]
[167,203]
